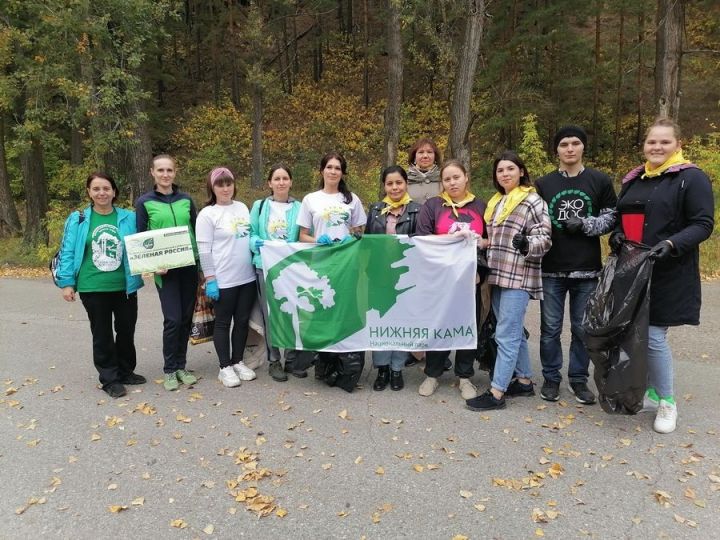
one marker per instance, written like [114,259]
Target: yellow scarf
[447,201]
[515,197]
[674,160]
[392,205]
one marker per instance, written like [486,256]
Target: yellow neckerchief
[447,201]
[392,205]
[515,197]
[676,159]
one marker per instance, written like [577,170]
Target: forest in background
[244,83]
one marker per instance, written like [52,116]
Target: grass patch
[14,253]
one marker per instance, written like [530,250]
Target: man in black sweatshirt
[581,203]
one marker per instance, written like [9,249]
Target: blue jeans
[513,358]
[552,311]
[660,362]
[394,359]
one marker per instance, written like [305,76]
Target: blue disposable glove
[259,242]
[325,240]
[212,291]
[347,239]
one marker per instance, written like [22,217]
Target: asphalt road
[368,464]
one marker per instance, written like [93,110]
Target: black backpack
[54,263]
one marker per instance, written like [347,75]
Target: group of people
[535,240]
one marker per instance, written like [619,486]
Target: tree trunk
[668,55]
[76,145]
[460,123]
[597,80]
[9,219]
[257,143]
[618,85]
[36,196]
[366,54]
[640,78]
[394,84]
[288,70]
[139,154]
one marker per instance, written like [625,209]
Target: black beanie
[570,131]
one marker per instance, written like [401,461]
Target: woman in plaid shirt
[519,232]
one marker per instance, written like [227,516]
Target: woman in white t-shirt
[223,239]
[333,214]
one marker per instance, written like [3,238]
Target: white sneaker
[428,387]
[666,419]
[649,404]
[228,377]
[467,389]
[244,372]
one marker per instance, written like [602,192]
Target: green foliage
[211,136]
[531,149]
[705,152]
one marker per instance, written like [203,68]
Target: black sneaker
[132,378]
[115,390]
[485,402]
[516,388]
[383,378]
[550,390]
[582,393]
[276,372]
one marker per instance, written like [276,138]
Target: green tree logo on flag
[318,297]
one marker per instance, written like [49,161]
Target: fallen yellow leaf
[209,529]
[139,501]
[117,508]
[465,494]
[178,523]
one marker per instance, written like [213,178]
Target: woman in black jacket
[395,214]
[667,204]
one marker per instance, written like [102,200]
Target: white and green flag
[382,292]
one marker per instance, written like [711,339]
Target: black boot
[396,380]
[383,378]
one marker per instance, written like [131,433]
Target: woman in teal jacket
[94,264]
[275,218]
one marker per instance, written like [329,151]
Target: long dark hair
[342,186]
[216,176]
[103,176]
[509,155]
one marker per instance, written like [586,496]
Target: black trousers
[113,356]
[234,306]
[177,300]
[464,358]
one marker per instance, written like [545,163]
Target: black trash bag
[342,370]
[615,325]
[487,346]
[325,365]
[349,368]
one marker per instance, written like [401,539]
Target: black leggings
[235,305]
[177,299]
